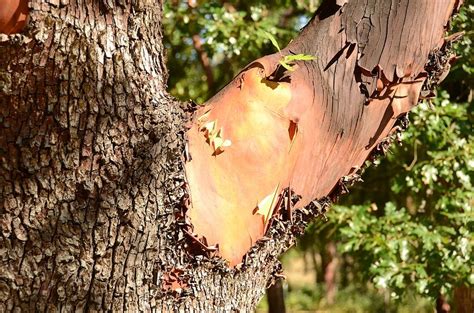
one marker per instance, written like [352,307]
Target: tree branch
[309,128]
[204,59]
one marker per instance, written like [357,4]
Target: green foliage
[460,82]
[399,251]
[287,61]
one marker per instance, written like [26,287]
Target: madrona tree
[115,196]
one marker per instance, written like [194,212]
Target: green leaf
[272,39]
[286,65]
[299,57]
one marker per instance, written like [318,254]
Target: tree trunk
[92,150]
[463,299]
[276,298]
[442,305]
[330,272]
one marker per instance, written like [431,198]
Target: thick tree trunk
[92,149]
[91,177]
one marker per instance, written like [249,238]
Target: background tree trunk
[91,179]
[276,298]
[442,305]
[330,272]
[463,299]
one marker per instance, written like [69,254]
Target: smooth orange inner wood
[277,137]
[13,16]
[227,188]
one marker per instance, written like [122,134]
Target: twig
[204,59]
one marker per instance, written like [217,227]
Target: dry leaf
[219,142]
[266,206]
[204,117]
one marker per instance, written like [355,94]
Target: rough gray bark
[91,177]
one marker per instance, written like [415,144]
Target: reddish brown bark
[463,299]
[308,129]
[330,272]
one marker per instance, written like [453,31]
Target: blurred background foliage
[402,240]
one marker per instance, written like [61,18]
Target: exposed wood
[368,72]
[13,15]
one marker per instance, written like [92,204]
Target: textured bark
[92,181]
[276,298]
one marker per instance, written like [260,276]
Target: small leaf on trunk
[266,206]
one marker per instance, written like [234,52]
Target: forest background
[402,240]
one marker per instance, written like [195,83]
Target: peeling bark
[92,150]
[312,129]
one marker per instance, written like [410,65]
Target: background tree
[92,173]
